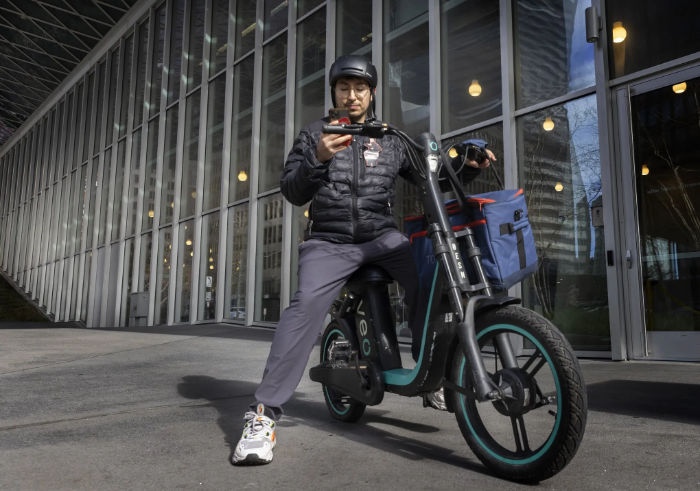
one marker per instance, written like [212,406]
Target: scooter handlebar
[371,129]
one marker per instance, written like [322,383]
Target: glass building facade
[146,190]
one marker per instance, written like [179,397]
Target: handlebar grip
[342,129]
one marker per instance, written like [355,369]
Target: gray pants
[324,268]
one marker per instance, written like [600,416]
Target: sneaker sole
[250,459]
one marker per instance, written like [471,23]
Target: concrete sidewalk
[161,408]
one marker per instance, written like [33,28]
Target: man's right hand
[330,144]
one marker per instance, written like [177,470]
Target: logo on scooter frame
[363,329]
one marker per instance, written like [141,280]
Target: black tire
[501,434]
[341,407]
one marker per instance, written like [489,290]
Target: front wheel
[535,430]
[340,406]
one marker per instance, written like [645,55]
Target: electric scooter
[509,375]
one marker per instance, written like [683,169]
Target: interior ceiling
[41,42]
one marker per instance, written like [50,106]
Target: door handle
[628,258]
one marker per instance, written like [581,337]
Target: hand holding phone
[340,115]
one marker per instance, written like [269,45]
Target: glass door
[661,253]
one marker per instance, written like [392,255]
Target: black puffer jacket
[351,203]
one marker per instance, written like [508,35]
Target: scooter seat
[370,273]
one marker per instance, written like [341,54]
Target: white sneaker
[436,400]
[257,441]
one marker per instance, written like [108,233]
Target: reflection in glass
[58,142]
[184,274]
[118,197]
[188,193]
[113,82]
[100,81]
[310,67]
[557,60]
[89,127]
[126,282]
[174,67]
[241,130]
[149,176]
[86,286]
[471,85]
[167,192]
[94,189]
[657,32]
[275,17]
[104,197]
[157,64]
[165,243]
[134,183]
[666,135]
[245,27]
[126,85]
[208,267]
[219,36]
[214,143]
[406,95]
[81,190]
[145,262]
[195,50]
[305,6]
[141,48]
[353,30]
[237,271]
[570,285]
[268,265]
[273,113]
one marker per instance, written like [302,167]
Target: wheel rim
[516,433]
[333,398]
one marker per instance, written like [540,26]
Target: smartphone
[339,113]
[342,115]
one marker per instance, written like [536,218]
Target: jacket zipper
[355,185]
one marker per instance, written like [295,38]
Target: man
[350,182]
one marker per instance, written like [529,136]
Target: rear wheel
[340,406]
[535,430]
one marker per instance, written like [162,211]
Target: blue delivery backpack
[502,231]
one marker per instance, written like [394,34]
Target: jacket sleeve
[406,170]
[303,174]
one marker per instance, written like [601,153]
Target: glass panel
[82,205]
[112,96]
[157,62]
[126,281]
[557,60]
[189,158]
[184,277]
[237,263]
[219,36]
[58,145]
[74,207]
[86,286]
[471,85]
[353,28]
[96,146]
[89,121]
[208,267]
[175,64]
[134,183]
[273,113]
[195,49]
[118,191]
[126,85]
[149,175]
[104,197]
[561,177]
[214,143]
[140,73]
[241,130]
[167,193]
[667,170]
[304,6]
[310,66]
[245,26]
[163,275]
[145,263]
[94,190]
[645,33]
[77,136]
[268,264]
[275,17]
[406,92]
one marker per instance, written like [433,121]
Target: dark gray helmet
[353,66]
